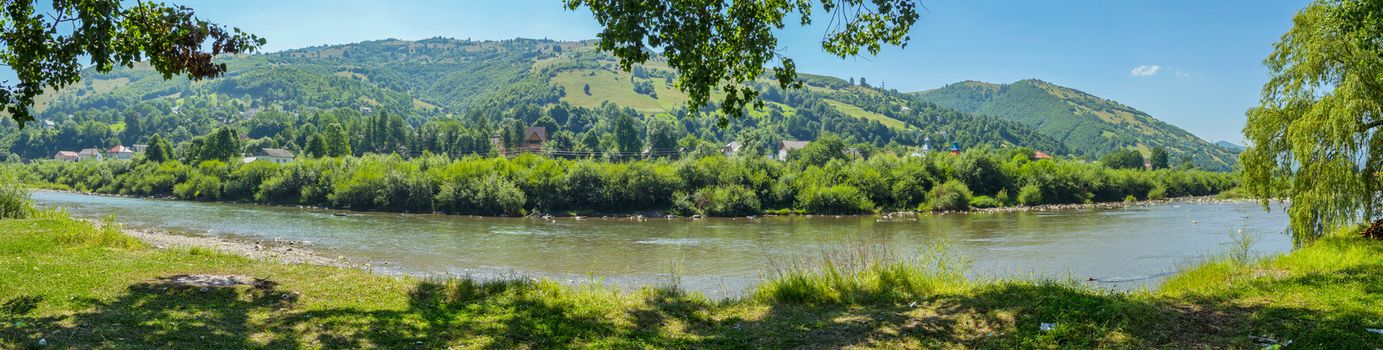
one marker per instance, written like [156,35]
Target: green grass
[79,285]
[857,112]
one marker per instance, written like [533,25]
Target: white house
[731,148]
[272,155]
[788,146]
[89,153]
[119,152]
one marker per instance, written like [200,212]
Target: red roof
[120,149]
[1041,155]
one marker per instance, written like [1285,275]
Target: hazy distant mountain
[1088,125]
[1232,147]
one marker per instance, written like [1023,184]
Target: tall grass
[1241,246]
[106,235]
[865,273]
[14,200]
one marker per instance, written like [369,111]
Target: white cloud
[1183,75]
[1145,70]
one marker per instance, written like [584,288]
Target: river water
[1124,248]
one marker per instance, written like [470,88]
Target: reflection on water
[1119,248]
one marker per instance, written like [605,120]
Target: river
[1122,248]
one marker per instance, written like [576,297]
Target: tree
[316,146]
[335,142]
[863,82]
[1123,158]
[48,49]
[662,135]
[821,151]
[724,45]
[627,134]
[222,144]
[1317,135]
[160,150]
[1158,158]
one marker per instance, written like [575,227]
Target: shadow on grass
[522,314]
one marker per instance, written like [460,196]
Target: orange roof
[1041,155]
[120,149]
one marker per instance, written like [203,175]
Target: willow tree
[1316,135]
[723,46]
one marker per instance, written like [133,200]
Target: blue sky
[1195,64]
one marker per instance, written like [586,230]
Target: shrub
[984,202]
[1130,199]
[949,196]
[1158,192]
[199,187]
[726,201]
[1030,195]
[1003,198]
[14,200]
[838,199]
[492,195]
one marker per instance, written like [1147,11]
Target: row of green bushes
[716,185]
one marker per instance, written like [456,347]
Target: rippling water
[1122,249]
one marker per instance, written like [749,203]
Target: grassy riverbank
[74,285]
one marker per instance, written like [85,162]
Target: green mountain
[485,87]
[1091,126]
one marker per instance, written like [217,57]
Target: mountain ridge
[453,78]
[1086,123]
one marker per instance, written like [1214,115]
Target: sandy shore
[290,252]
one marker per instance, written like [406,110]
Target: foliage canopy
[1317,127]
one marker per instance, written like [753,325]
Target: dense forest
[448,96]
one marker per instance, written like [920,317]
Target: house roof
[1041,155]
[67,154]
[90,151]
[541,132]
[734,146]
[276,152]
[120,149]
[790,145]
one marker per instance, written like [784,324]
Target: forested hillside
[1089,125]
[450,96]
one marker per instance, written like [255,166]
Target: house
[89,153]
[787,146]
[272,155]
[731,148]
[140,148]
[119,152]
[534,138]
[366,110]
[955,148]
[1040,155]
[66,156]
[48,124]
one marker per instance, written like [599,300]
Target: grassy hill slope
[1088,124]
